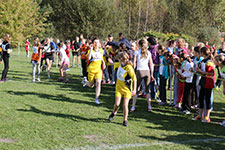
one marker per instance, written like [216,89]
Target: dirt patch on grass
[91,138]
[7,140]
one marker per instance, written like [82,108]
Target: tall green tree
[21,19]
[89,17]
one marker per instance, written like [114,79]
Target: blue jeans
[153,88]
[106,74]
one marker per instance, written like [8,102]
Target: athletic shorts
[76,53]
[122,90]
[49,56]
[94,75]
[65,63]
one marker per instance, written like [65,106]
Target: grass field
[54,115]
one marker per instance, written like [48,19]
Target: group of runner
[137,68]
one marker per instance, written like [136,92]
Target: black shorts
[49,56]
[76,53]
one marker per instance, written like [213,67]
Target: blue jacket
[125,41]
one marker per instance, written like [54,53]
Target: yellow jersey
[125,77]
[95,61]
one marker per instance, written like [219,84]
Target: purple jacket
[155,56]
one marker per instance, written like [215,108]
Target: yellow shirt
[95,61]
[125,73]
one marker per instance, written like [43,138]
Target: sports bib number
[120,73]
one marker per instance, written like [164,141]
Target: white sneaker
[33,80]
[38,79]
[84,82]
[132,109]
[150,108]
[97,102]
[222,123]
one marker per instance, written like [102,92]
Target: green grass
[54,115]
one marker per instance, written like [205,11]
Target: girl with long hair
[125,86]
[144,65]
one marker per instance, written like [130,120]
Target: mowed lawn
[54,115]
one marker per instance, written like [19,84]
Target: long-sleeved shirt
[187,73]
[155,57]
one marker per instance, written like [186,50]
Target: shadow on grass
[198,142]
[60,115]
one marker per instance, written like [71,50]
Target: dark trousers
[186,103]
[6,65]
[205,94]
[84,67]
[162,88]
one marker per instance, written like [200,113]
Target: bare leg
[125,108]
[134,102]
[116,105]
[98,88]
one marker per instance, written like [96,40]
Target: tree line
[200,19]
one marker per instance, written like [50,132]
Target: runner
[96,64]
[125,86]
[48,50]
[64,64]
[36,59]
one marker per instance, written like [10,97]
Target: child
[163,75]
[83,51]
[181,80]
[220,62]
[188,74]
[95,57]
[64,63]
[27,47]
[143,59]
[125,77]
[36,58]
[207,84]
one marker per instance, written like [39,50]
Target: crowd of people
[136,68]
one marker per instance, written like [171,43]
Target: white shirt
[187,73]
[142,63]
[63,56]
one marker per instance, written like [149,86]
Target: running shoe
[113,83]
[149,108]
[125,123]
[97,102]
[33,80]
[197,118]
[108,82]
[38,79]
[67,81]
[132,109]
[111,116]
[60,79]
[206,119]
[67,69]
[186,112]
[103,82]
[84,82]
[222,123]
